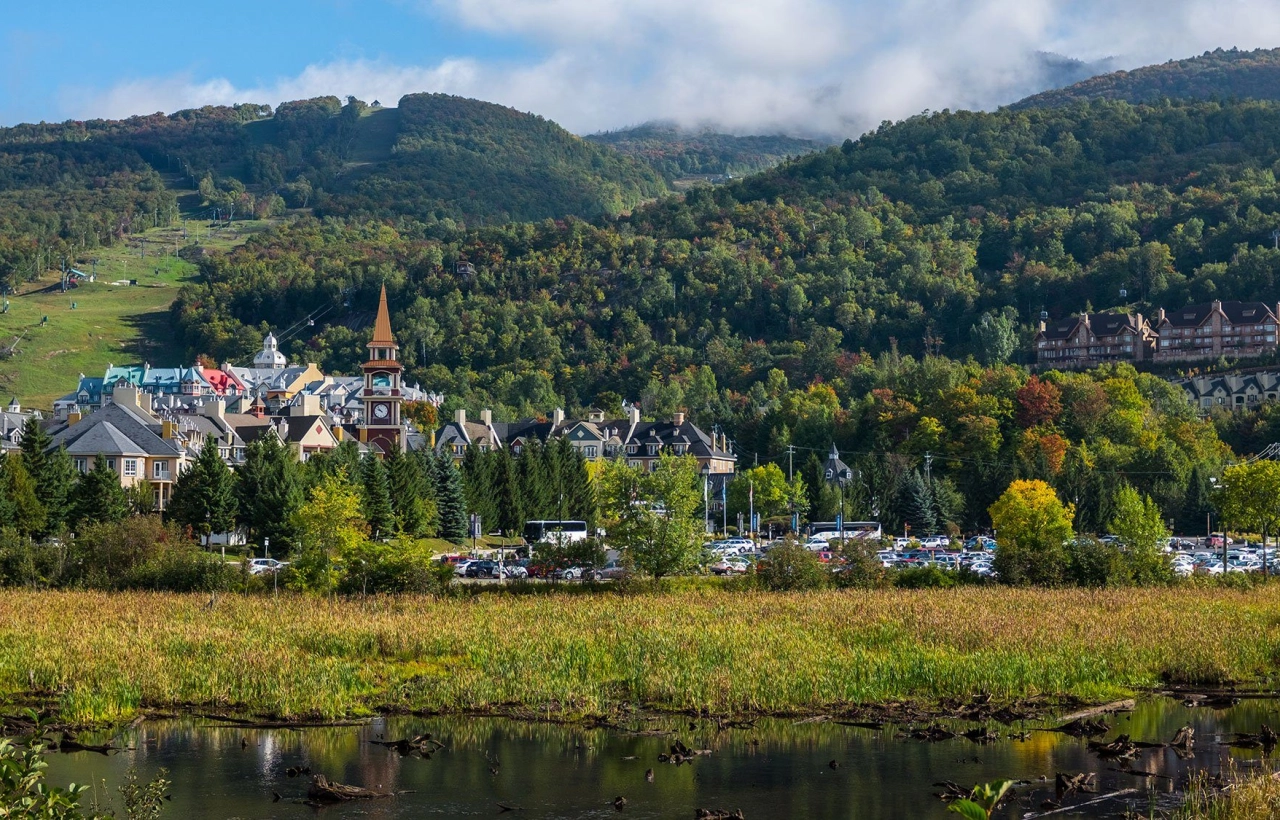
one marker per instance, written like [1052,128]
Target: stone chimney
[596,416]
[460,416]
[557,417]
[634,414]
[73,417]
[677,419]
[486,417]
[215,409]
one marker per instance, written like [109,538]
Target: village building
[1216,329]
[1088,340]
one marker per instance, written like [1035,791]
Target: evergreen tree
[375,497]
[477,478]
[451,500]
[26,513]
[98,496]
[204,497]
[506,493]
[915,504]
[408,486]
[425,460]
[268,492]
[535,482]
[815,486]
[50,470]
[1197,504]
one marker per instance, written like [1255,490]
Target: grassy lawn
[101,656]
[110,324]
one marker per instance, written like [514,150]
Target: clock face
[380,411]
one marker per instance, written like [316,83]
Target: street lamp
[842,479]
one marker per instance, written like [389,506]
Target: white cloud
[832,67]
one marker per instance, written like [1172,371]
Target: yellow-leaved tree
[1032,528]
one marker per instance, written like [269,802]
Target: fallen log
[718,814]
[1122,748]
[1081,727]
[1065,784]
[322,791]
[1075,806]
[67,746]
[1105,709]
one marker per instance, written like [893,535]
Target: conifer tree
[375,497]
[916,505]
[535,481]
[268,492]
[26,514]
[408,487]
[51,471]
[507,501]
[450,500]
[204,495]
[477,475]
[98,496]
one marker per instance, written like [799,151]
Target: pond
[773,769]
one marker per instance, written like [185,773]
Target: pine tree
[815,484]
[916,505]
[477,478]
[98,496]
[204,497]
[51,471]
[506,493]
[375,497]
[407,490]
[268,492]
[451,501]
[535,483]
[425,460]
[26,513]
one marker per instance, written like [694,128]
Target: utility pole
[791,450]
[928,471]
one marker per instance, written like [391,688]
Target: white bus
[555,532]
[868,530]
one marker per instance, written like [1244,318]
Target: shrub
[1094,563]
[108,555]
[859,567]
[185,568]
[790,567]
[30,563]
[927,577]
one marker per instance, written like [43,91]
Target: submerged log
[322,791]
[1065,784]
[1082,727]
[718,814]
[1122,748]
[68,745]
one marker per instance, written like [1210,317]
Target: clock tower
[382,395]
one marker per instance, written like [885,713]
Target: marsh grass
[105,656]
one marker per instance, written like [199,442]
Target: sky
[815,67]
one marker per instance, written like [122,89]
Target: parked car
[258,566]
[609,572]
[729,566]
[568,573]
[460,567]
[481,569]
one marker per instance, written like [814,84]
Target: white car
[258,566]
[729,567]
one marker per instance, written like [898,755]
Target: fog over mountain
[829,68]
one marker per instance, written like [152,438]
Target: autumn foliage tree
[1039,402]
[1032,528]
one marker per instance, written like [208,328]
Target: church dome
[270,357]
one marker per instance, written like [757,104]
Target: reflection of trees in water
[777,767]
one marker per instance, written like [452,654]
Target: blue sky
[818,66]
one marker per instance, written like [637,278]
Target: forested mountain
[1221,74]
[677,152]
[66,188]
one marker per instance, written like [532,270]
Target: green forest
[1218,74]
[676,152]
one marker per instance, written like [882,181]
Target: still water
[775,769]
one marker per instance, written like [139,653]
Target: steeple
[382,325]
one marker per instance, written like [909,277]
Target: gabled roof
[132,426]
[1061,330]
[298,427]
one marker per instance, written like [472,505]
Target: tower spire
[382,325]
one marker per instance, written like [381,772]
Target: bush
[399,567]
[1094,563]
[25,562]
[188,569]
[790,567]
[115,555]
[859,568]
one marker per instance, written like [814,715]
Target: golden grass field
[106,656]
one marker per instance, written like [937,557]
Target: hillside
[1220,74]
[900,242]
[678,153]
[68,188]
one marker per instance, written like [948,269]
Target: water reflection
[775,769]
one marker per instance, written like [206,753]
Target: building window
[589,451]
[111,464]
[82,465]
[160,469]
[635,463]
[130,468]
